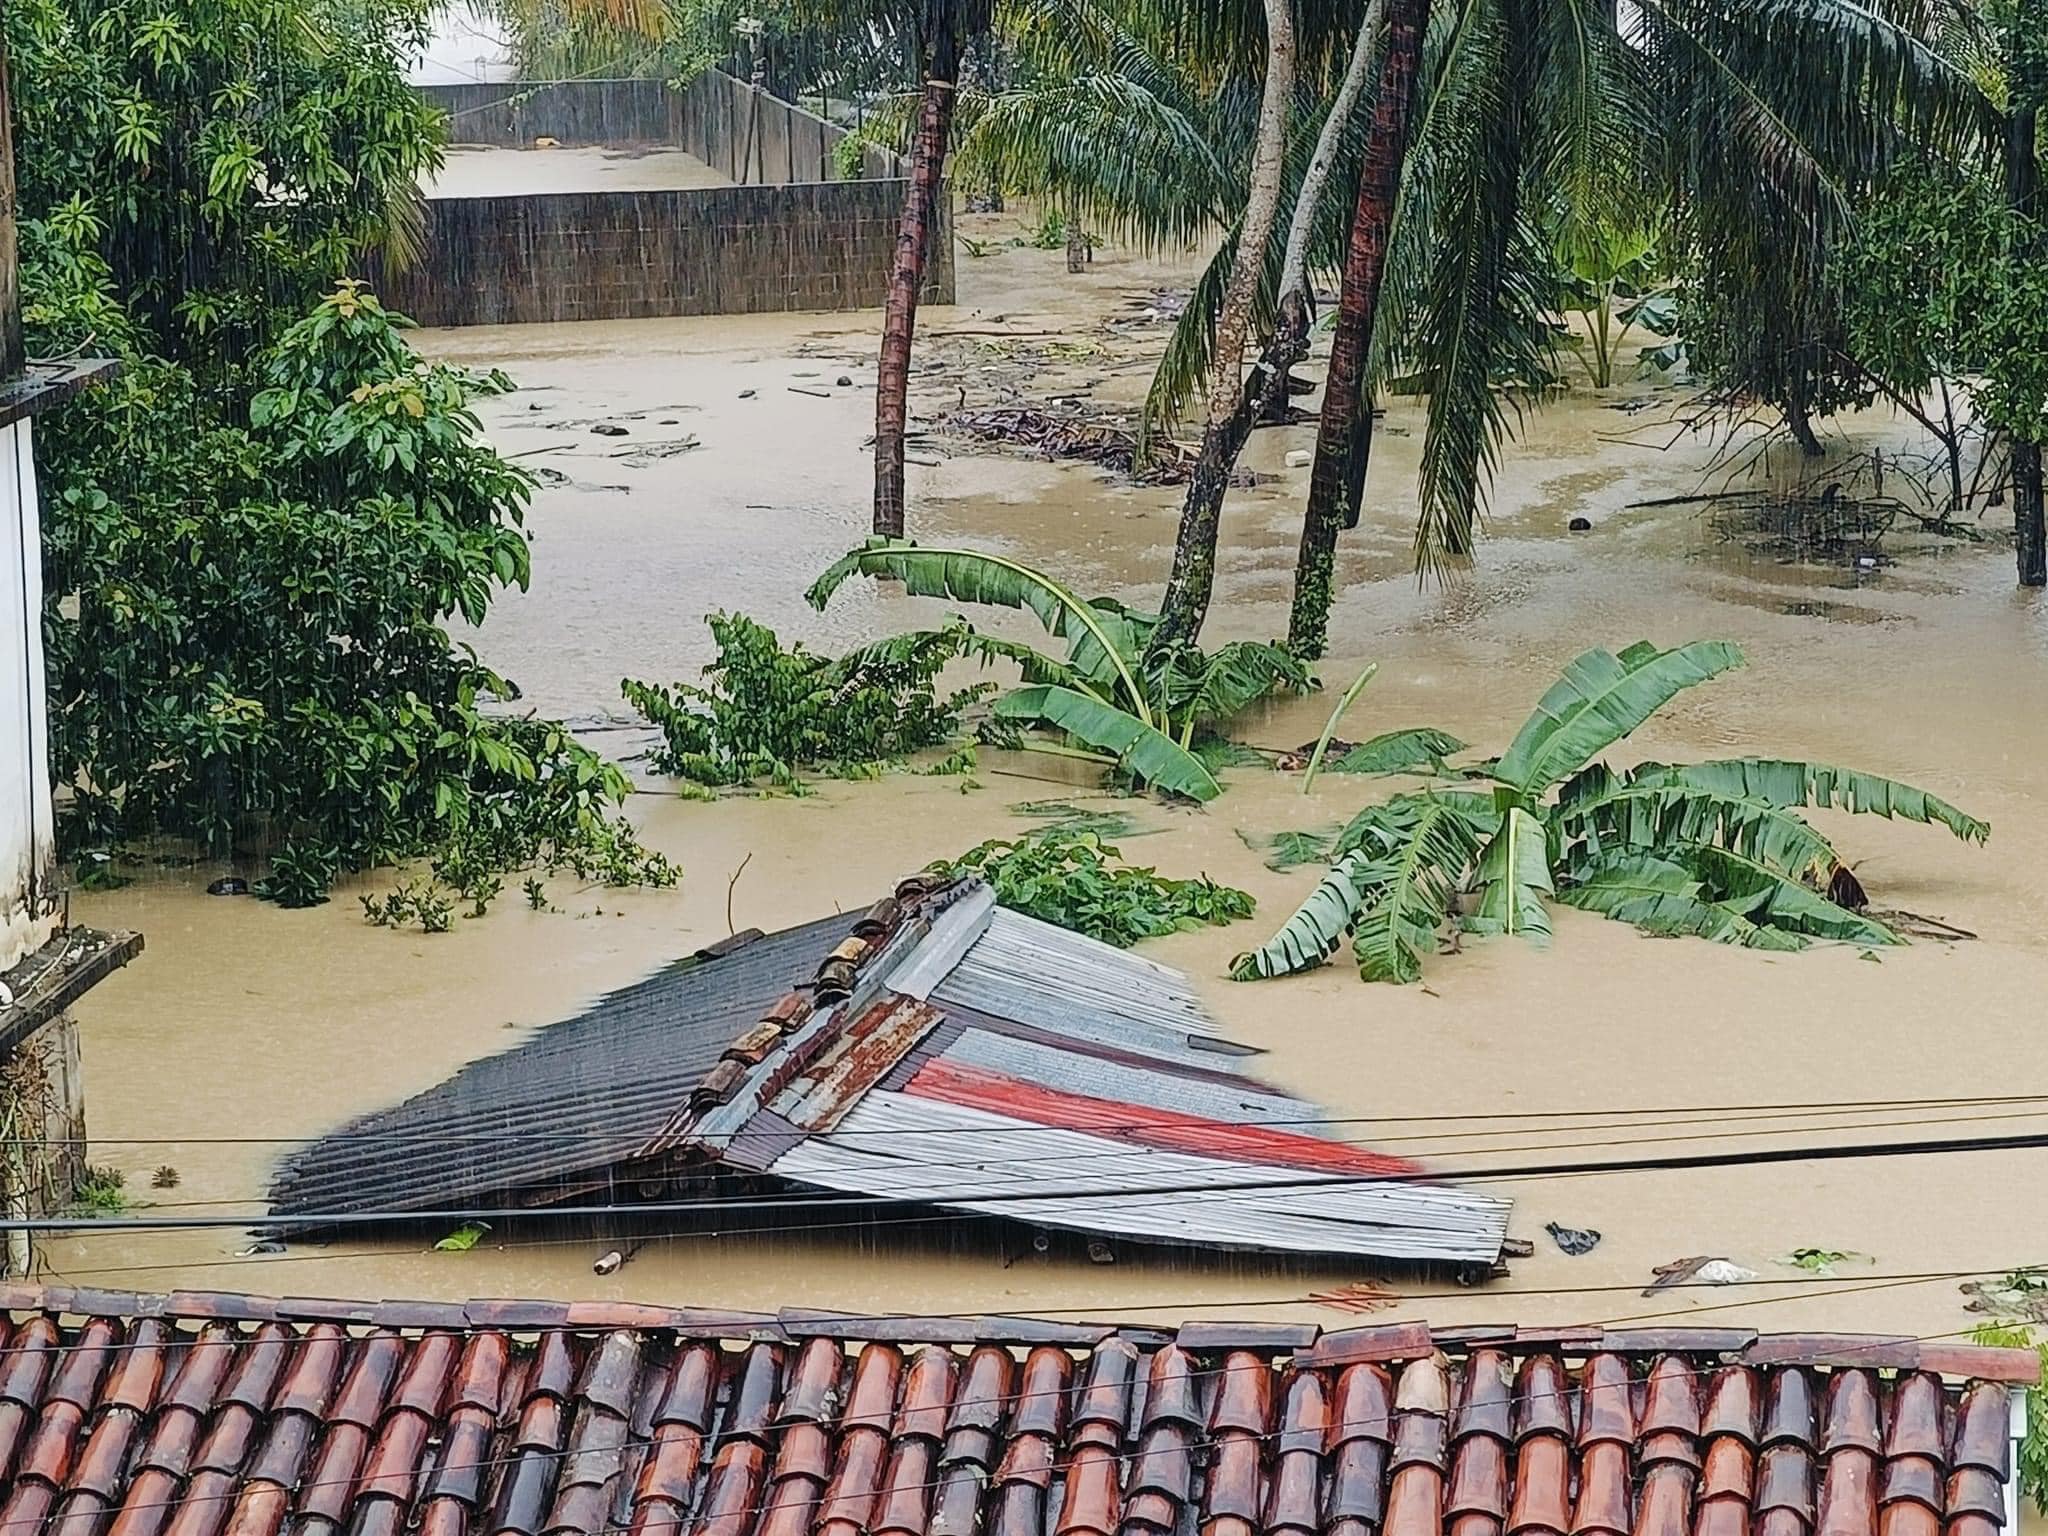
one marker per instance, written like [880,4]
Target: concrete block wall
[632,255]
[789,236]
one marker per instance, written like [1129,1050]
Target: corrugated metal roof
[1000,1166]
[579,1096]
[935,1050]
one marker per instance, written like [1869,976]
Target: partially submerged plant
[1714,849]
[1078,881]
[771,713]
[1134,706]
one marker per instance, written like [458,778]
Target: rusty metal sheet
[865,1052]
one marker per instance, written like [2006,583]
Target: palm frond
[1481,320]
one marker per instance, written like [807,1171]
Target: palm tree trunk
[1337,482]
[2023,189]
[906,273]
[1193,578]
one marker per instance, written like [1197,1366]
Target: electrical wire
[1066,1160]
[1708,1113]
[1205,1192]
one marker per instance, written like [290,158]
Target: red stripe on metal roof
[1168,1130]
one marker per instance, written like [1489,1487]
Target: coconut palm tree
[944,30]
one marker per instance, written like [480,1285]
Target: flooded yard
[732,469]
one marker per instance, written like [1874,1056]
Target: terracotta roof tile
[1915,1427]
[235,1423]
[1542,1486]
[1666,1501]
[1358,1479]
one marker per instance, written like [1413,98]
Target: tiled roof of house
[201,1414]
[932,1051]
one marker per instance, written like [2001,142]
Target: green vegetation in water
[102,1191]
[1147,713]
[255,535]
[770,713]
[1289,850]
[1713,849]
[1073,816]
[1078,881]
[463,1238]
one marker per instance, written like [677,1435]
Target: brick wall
[630,255]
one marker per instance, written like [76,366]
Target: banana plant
[1122,698]
[1714,849]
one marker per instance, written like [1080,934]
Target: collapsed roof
[213,1414]
[937,1051]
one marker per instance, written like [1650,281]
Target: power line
[1762,1157]
[1066,1160]
[1707,1112]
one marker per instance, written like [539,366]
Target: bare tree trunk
[906,274]
[1193,578]
[1337,482]
[2023,189]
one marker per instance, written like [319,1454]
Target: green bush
[771,713]
[1078,881]
[254,536]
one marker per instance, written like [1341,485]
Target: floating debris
[1071,436]
[1573,1240]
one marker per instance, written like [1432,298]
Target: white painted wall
[28,889]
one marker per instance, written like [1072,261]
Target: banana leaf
[1600,699]
[1782,783]
[1771,898]
[1410,885]
[1664,898]
[1416,750]
[1514,876]
[960,639]
[1139,747]
[972,576]
[1289,850]
[1379,828]
[1312,934]
[1656,808]
[1213,689]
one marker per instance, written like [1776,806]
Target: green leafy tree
[1940,286]
[210,167]
[255,536]
[1713,849]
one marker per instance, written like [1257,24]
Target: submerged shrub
[1078,881]
[772,713]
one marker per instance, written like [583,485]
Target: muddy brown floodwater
[479,170]
[244,1029]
